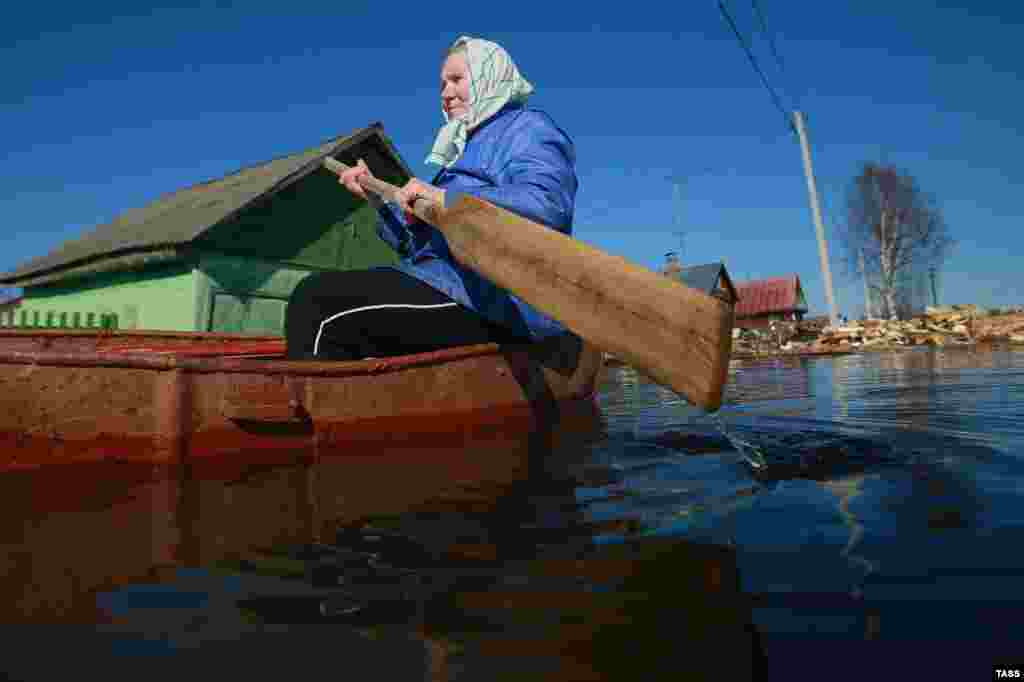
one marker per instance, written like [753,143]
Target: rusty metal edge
[130,333]
[241,365]
[172,399]
[292,411]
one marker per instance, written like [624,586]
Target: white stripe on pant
[320,331]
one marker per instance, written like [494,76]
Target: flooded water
[887,520]
[844,517]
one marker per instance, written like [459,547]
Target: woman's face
[455,85]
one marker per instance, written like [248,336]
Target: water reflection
[941,391]
[846,490]
[840,387]
[527,593]
[469,562]
[783,378]
[88,527]
[72,530]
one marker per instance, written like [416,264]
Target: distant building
[672,265]
[710,278]
[764,300]
[220,256]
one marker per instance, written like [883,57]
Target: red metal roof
[772,295]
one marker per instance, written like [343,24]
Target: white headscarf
[494,81]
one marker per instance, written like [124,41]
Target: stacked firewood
[775,337]
[1000,328]
[956,325]
[938,327]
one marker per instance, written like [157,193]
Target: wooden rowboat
[167,397]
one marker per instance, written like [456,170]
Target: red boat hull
[167,398]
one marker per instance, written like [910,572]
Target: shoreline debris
[957,325]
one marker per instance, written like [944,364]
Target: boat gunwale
[255,364]
[105,334]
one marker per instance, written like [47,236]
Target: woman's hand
[413,189]
[350,178]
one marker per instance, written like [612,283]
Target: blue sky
[107,105]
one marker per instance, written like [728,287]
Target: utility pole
[867,291]
[677,209]
[812,190]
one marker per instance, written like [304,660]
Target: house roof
[703,277]
[155,232]
[772,295]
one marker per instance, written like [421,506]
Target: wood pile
[1000,328]
[957,325]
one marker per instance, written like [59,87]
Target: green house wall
[239,274]
[312,224]
[249,266]
[243,295]
[159,298]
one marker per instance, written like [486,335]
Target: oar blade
[679,336]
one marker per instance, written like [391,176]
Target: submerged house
[766,300]
[220,256]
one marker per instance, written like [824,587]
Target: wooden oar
[680,337]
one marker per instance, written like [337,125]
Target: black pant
[356,314]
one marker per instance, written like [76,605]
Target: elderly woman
[492,146]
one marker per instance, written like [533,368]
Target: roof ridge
[179,216]
[780,278]
[267,162]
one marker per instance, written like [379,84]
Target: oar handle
[422,206]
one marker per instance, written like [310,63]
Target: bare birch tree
[898,228]
[912,292]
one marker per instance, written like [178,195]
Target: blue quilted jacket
[520,160]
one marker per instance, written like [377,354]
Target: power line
[771,40]
[796,125]
[757,68]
